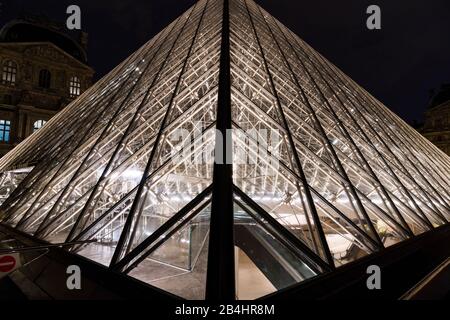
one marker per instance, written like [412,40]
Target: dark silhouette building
[437,119]
[42,69]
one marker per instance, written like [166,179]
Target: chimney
[83,40]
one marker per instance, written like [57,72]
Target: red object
[7,263]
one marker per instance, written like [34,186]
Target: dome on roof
[25,31]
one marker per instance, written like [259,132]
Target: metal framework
[345,178]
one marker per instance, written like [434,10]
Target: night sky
[399,65]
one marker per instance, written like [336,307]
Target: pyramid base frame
[403,266]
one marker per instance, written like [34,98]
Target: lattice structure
[337,177]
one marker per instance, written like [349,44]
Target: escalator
[278,263]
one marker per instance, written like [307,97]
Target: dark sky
[399,65]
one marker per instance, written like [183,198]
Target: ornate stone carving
[27,68]
[46,52]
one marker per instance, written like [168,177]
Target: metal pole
[220,281]
[46,246]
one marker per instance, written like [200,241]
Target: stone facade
[437,126]
[437,119]
[37,80]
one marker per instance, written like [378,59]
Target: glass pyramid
[224,136]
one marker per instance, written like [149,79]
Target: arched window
[38,124]
[5,130]
[74,87]
[45,78]
[9,73]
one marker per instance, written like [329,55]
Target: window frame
[38,124]
[5,130]
[45,79]
[10,70]
[74,86]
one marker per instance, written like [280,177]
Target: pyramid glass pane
[263,262]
